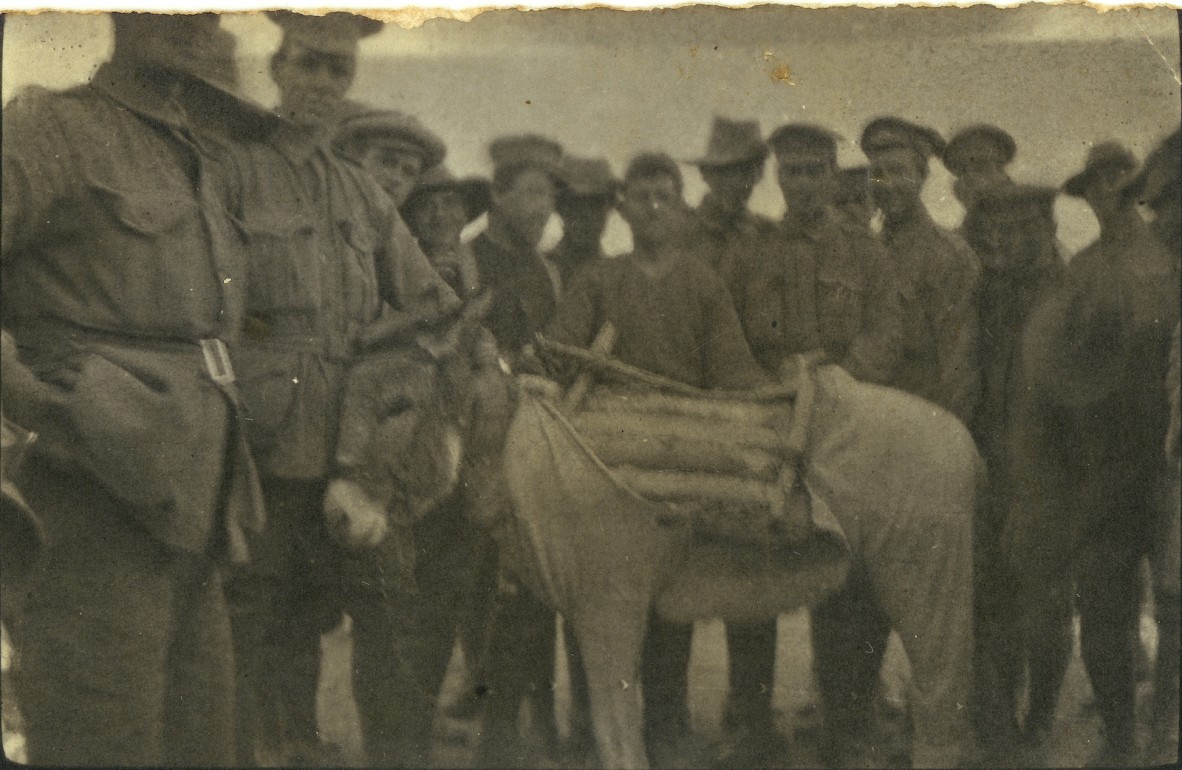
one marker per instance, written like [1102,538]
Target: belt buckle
[217,361]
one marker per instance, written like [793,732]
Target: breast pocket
[841,294]
[359,245]
[283,264]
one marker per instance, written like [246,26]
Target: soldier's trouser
[751,648]
[281,603]
[403,640]
[664,677]
[849,633]
[124,643]
[1109,588]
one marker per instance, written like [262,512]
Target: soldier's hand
[354,519]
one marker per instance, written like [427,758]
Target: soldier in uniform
[820,283]
[514,654]
[330,259]
[937,271]
[437,211]
[392,146]
[587,197]
[1012,231]
[123,283]
[731,167]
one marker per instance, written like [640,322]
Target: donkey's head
[409,415]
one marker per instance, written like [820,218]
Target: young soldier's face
[526,203]
[395,166]
[807,179]
[312,84]
[897,177]
[437,218]
[733,184]
[652,206]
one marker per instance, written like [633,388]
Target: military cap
[646,164]
[1014,203]
[588,177]
[526,150]
[804,136]
[395,125]
[733,142]
[979,141]
[475,192]
[1102,156]
[888,133]
[337,32]
[853,185]
[1160,176]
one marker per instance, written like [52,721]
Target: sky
[612,83]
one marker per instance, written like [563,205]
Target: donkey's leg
[610,647]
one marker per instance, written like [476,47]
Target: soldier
[977,156]
[821,283]
[123,283]
[731,167]
[516,656]
[330,259]
[437,211]
[937,271]
[587,197]
[392,146]
[1013,233]
[674,318]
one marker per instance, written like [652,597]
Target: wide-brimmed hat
[733,142]
[889,132]
[532,150]
[1160,175]
[195,46]
[362,122]
[588,177]
[1105,155]
[475,192]
[336,33]
[805,136]
[982,140]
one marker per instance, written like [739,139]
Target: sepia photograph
[696,387]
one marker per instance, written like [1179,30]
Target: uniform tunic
[118,259]
[828,287]
[525,291]
[938,276]
[326,248]
[680,325]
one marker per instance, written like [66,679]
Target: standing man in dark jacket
[821,283]
[731,167]
[937,271]
[1012,230]
[329,256]
[123,283]
[516,659]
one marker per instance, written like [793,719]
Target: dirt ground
[1074,739]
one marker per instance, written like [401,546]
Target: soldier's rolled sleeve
[875,351]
